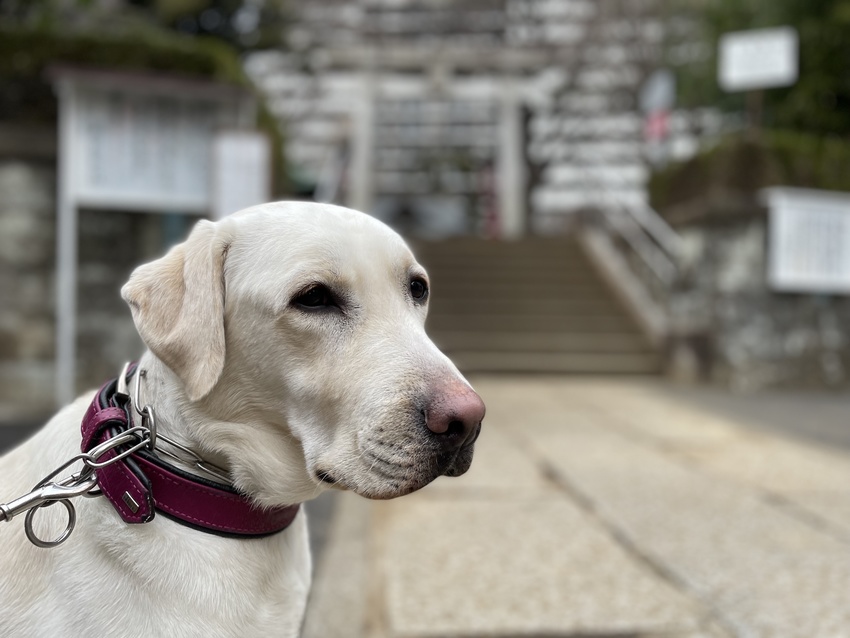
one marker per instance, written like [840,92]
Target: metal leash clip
[83,483]
[47,493]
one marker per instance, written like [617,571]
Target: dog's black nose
[454,415]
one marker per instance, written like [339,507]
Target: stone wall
[111,244]
[27,258]
[729,327]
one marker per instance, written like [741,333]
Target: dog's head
[297,333]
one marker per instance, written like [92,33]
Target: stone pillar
[362,170]
[510,170]
[66,251]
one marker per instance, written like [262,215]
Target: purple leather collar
[142,483]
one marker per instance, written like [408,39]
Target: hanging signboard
[147,153]
[139,142]
[808,240]
[759,59]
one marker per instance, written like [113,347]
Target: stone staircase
[535,305]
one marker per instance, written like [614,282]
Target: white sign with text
[149,153]
[809,240]
[137,142]
[759,59]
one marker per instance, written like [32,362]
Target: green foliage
[243,24]
[740,166]
[819,102]
[28,52]
[25,55]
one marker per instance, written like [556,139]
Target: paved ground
[607,508]
[600,507]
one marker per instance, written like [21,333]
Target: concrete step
[506,260]
[531,323]
[508,295]
[556,362]
[575,342]
[539,281]
[510,306]
[587,285]
[465,274]
[536,305]
[534,249]
[507,263]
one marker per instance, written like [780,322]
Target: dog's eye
[418,289]
[317,296]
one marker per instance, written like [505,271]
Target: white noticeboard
[760,59]
[809,240]
[241,171]
[143,142]
[144,152]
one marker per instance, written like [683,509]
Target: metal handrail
[644,230]
[661,265]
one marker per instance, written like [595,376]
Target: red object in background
[657,126]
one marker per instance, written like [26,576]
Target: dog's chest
[162,579]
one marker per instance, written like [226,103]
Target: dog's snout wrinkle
[371,456]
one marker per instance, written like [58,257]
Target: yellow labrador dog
[286,347]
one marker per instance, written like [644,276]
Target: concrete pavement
[601,507]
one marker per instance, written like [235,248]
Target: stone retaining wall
[110,245]
[729,327]
[27,258]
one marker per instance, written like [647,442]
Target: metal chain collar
[48,491]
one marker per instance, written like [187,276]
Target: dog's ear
[178,307]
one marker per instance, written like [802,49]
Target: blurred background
[636,218]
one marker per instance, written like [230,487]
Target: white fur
[271,392]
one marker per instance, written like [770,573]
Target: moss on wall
[723,180]
[25,54]
[28,51]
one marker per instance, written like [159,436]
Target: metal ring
[149,421]
[35,540]
[140,372]
[125,438]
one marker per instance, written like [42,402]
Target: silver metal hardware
[122,381]
[47,493]
[69,526]
[84,482]
[136,435]
[130,502]
[149,422]
[147,413]
[197,461]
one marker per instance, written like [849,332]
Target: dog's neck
[176,416]
[263,459]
